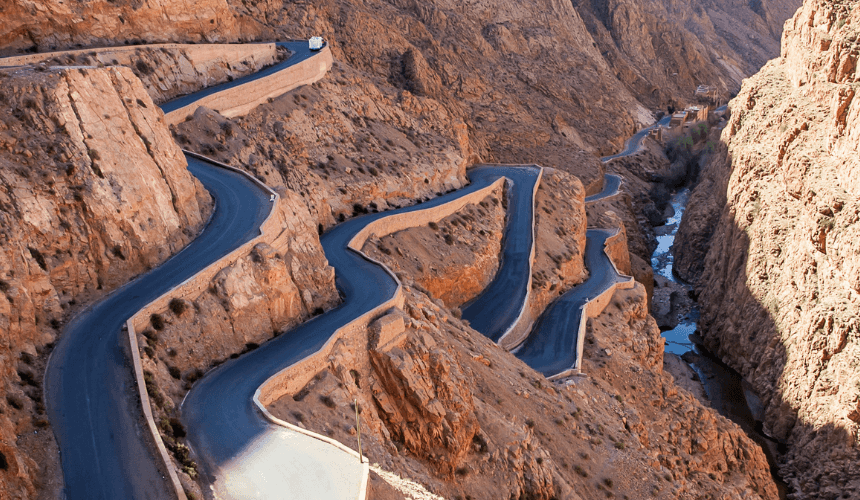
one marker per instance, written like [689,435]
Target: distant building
[678,119]
[698,113]
[690,114]
[705,90]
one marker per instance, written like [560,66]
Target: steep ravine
[771,240]
[725,389]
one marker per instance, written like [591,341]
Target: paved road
[496,309]
[611,187]
[551,348]
[90,390]
[235,444]
[635,142]
[300,50]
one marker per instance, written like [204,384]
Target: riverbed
[725,389]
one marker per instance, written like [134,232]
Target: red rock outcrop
[55,25]
[94,191]
[780,281]
[444,406]
[167,70]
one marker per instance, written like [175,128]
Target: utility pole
[358,430]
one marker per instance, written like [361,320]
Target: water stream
[727,391]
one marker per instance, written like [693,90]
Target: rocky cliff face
[525,78]
[170,70]
[55,25]
[94,191]
[346,144]
[779,286]
[663,49]
[454,259]
[445,407]
[276,286]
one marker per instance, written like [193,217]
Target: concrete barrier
[239,100]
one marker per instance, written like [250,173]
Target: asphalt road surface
[90,391]
[300,50]
[224,426]
[90,388]
[496,309]
[632,145]
[551,346]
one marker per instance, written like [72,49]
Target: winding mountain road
[95,412]
[553,346]
[233,440]
[499,306]
[90,394]
[90,389]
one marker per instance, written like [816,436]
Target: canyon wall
[778,215]
[534,83]
[663,49]
[54,24]
[94,191]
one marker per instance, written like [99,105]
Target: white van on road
[315,43]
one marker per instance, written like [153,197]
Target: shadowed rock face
[94,191]
[775,223]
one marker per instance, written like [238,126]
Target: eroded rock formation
[94,191]
[443,405]
[779,284]
[454,259]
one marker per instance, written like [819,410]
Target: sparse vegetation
[328,401]
[157,322]
[177,306]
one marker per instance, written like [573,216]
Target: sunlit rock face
[780,282]
[94,192]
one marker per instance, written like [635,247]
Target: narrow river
[727,391]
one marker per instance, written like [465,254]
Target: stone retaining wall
[398,222]
[594,307]
[290,380]
[239,100]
